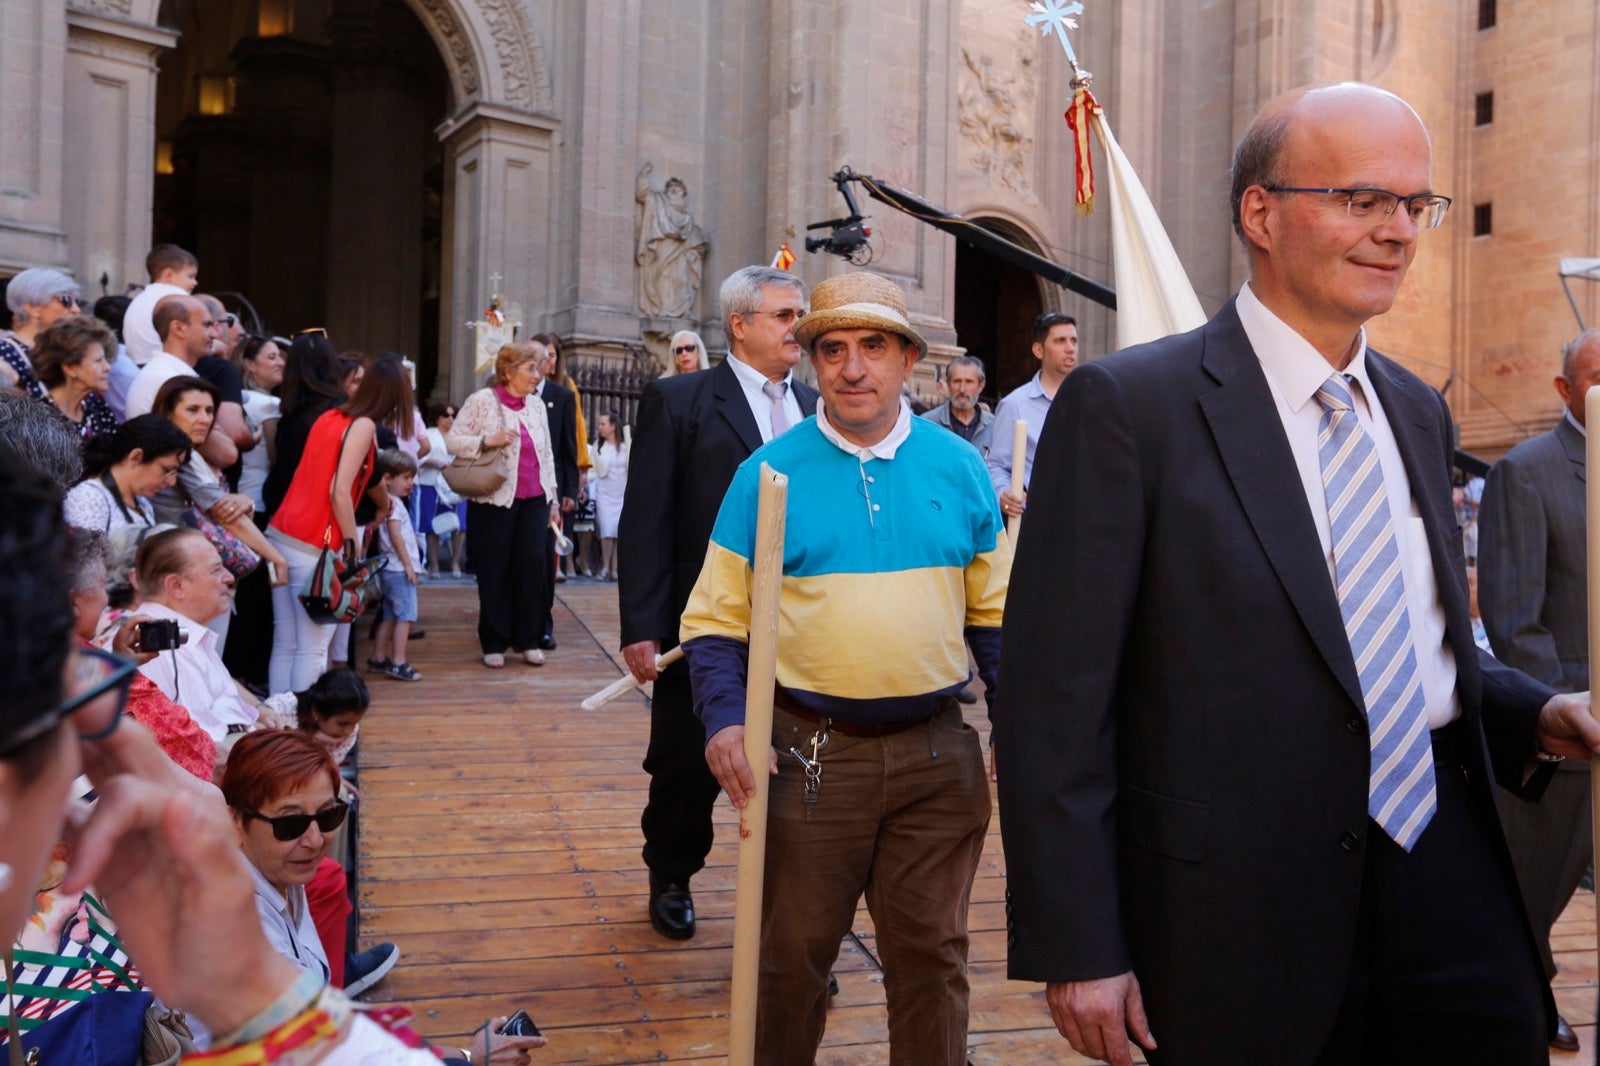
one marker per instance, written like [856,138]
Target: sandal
[378,666]
[403,672]
[494,660]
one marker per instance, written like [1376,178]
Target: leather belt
[849,729]
[1449,743]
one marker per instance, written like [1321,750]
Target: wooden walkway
[500,844]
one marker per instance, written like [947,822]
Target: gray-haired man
[961,413]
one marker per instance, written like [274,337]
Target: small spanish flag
[784,260]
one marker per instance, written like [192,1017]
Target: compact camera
[160,634]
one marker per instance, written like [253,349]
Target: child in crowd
[399,577]
[330,710]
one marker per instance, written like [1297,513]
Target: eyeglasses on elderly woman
[96,691]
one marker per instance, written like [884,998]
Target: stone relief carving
[455,40]
[671,249]
[123,8]
[994,111]
[521,59]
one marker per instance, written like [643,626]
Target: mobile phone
[519,1024]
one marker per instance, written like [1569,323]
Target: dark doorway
[996,304]
[296,158]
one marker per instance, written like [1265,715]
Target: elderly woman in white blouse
[506,527]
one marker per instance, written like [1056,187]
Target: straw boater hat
[857,301]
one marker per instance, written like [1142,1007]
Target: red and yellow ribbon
[1079,114]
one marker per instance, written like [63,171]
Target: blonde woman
[506,528]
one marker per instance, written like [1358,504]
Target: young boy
[399,541]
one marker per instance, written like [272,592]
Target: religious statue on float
[671,250]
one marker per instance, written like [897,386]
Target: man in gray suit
[1532,586]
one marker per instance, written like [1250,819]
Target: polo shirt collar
[884,449]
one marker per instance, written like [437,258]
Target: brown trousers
[901,818]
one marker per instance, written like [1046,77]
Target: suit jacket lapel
[1255,452]
[1573,443]
[732,405]
[1415,417]
[806,396]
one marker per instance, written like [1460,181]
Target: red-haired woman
[319,510]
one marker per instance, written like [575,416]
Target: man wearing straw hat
[1249,741]
[894,563]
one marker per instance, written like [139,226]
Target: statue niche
[671,250]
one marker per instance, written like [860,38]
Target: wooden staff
[1591,402]
[1019,460]
[627,682]
[761,677]
[627,434]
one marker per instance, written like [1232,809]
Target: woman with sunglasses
[38,298]
[688,353]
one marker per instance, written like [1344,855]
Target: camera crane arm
[964,230]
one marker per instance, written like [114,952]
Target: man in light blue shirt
[1055,345]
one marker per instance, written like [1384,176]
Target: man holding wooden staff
[1250,744]
[893,564]
[1055,345]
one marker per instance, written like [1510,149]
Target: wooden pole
[1019,461]
[627,682]
[1591,403]
[627,434]
[761,673]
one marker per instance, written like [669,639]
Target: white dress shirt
[193,676]
[751,380]
[1295,371]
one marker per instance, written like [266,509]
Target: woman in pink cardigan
[506,528]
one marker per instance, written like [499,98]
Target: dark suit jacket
[1533,567]
[1184,773]
[691,434]
[562,410]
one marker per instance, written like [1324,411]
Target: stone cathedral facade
[380,167]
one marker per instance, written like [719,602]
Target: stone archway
[995,305]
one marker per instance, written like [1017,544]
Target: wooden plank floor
[500,844]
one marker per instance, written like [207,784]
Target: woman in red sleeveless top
[319,510]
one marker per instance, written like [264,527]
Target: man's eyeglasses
[294,826]
[96,690]
[229,321]
[69,301]
[685,349]
[786,316]
[1374,205]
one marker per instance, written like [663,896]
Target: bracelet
[302,1040]
[295,999]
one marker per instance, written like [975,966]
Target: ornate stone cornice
[449,29]
[119,8]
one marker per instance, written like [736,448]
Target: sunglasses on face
[69,301]
[294,826]
[229,320]
[685,349]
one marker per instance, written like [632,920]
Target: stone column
[109,175]
[32,114]
[499,199]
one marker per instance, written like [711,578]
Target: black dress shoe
[1565,1039]
[547,642]
[671,909]
[966,697]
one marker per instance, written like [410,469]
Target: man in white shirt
[187,332]
[180,577]
[173,272]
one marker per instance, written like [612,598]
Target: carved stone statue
[671,249]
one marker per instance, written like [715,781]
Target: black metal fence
[610,385]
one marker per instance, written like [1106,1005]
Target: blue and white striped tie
[1401,796]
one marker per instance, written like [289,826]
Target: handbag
[237,556]
[478,477]
[333,594]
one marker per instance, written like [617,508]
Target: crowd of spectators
[169,489]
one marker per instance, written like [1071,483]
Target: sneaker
[494,660]
[533,657]
[403,672]
[378,666]
[366,969]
